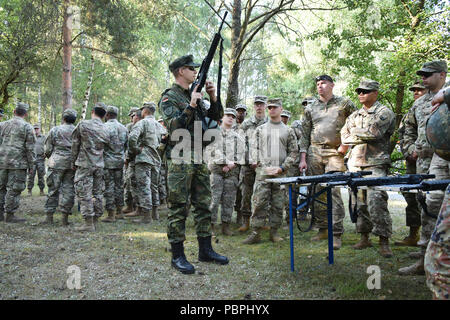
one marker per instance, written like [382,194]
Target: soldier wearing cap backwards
[129,170]
[368,132]
[241,113]
[114,157]
[16,157]
[188,182]
[60,175]
[418,149]
[39,163]
[275,152]
[248,127]
[412,209]
[143,148]
[89,139]
[227,154]
[321,150]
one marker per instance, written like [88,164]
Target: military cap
[285,113]
[132,111]
[433,66]
[324,77]
[417,85]
[100,105]
[276,102]
[260,99]
[22,106]
[69,112]
[36,126]
[112,109]
[241,106]
[150,105]
[368,85]
[230,111]
[187,61]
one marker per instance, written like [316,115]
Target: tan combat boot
[146,217]
[10,218]
[274,237]
[111,216]
[119,214]
[48,219]
[413,270]
[363,243]
[385,250]
[65,219]
[254,237]
[411,240]
[135,213]
[245,225]
[87,226]
[226,229]
[337,242]
[155,213]
[322,234]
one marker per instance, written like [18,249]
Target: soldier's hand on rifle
[211,90]
[195,97]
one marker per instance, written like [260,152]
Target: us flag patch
[165,99]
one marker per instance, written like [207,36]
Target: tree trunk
[67,57]
[87,93]
[236,46]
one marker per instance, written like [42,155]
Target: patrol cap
[112,109]
[324,77]
[285,113]
[100,105]
[69,112]
[275,102]
[370,85]
[36,126]
[230,111]
[260,99]
[150,105]
[22,106]
[241,106]
[132,111]
[187,61]
[432,67]
[417,86]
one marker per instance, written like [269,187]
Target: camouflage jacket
[58,147]
[230,147]
[88,142]
[276,146]
[248,128]
[297,127]
[369,132]
[114,153]
[39,148]
[16,144]
[144,141]
[321,123]
[177,113]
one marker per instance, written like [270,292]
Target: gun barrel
[380,181]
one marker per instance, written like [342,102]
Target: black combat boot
[207,254]
[179,260]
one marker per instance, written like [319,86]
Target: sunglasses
[363,91]
[191,68]
[271,107]
[427,74]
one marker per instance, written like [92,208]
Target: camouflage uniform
[16,157]
[143,147]
[39,164]
[60,175]
[162,186]
[368,132]
[320,139]
[186,182]
[130,179]
[88,141]
[114,156]
[237,127]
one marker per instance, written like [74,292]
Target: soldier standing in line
[248,127]
[285,116]
[241,113]
[188,182]
[88,142]
[275,152]
[412,209]
[16,157]
[39,163]
[143,147]
[129,170]
[433,75]
[60,175]
[162,187]
[114,157]
[368,132]
[321,150]
[227,154]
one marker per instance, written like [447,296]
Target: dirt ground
[129,261]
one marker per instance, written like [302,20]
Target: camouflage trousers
[39,167]
[319,164]
[60,183]
[223,192]
[267,201]
[12,183]
[162,186]
[238,201]
[412,209]
[440,168]
[130,186]
[147,178]
[372,206]
[113,188]
[248,181]
[437,257]
[89,188]
[188,183]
